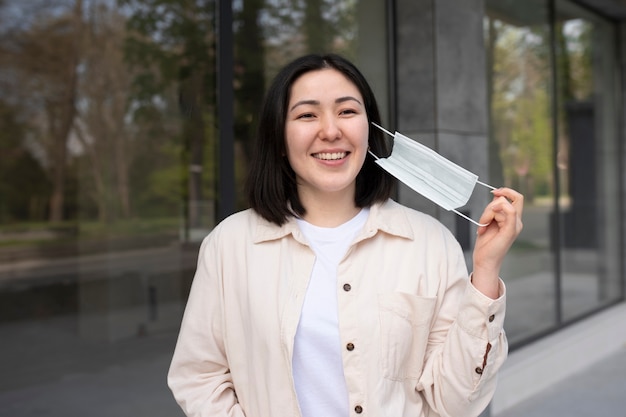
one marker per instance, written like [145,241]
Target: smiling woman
[313,99]
[328,294]
[326,139]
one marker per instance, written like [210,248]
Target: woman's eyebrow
[303,102]
[317,103]
[347,98]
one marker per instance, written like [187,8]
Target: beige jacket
[416,331]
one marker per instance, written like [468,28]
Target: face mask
[430,174]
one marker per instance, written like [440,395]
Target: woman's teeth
[330,156]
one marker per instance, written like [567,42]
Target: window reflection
[558,145]
[109,145]
[521,153]
[587,150]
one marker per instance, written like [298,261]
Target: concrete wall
[617,10]
[441,90]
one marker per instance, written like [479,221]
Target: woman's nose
[329,129]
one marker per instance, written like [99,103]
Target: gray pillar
[441,97]
[622,148]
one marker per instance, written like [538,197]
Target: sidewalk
[79,378]
[128,379]
[579,370]
[597,391]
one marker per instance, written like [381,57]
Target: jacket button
[358,409]
[350,346]
[478,370]
[347,287]
[491,318]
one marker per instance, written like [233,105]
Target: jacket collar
[388,217]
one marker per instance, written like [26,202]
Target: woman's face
[326,133]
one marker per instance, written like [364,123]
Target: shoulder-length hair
[271,184]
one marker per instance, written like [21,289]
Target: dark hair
[271,185]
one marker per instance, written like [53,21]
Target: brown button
[347,287]
[491,318]
[358,409]
[479,370]
[350,346]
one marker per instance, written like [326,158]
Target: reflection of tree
[66,84]
[574,60]
[296,27]
[528,155]
[101,127]
[77,112]
[575,83]
[520,107]
[24,185]
[172,42]
[249,71]
[521,136]
[316,29]
[44,57]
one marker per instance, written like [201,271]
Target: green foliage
[520,103]
[52,234]
[171,46]
[145,116]
[24,185]
[160,180]
[168,40]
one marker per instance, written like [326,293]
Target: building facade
[127,127]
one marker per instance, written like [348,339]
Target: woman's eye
[306,116]
[347,111]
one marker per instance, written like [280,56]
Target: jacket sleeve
[467,344]
[199,375]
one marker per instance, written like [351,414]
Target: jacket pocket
[404,325]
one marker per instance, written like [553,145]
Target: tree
[520,107]
[172,42]
[44,56]
[250,71]
[101,125]
[25,184]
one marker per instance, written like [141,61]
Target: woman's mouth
[330,156]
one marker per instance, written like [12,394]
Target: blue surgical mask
[430,174]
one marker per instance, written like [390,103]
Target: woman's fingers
[516,199]
[503,215]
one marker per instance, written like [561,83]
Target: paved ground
[84,379]
[598,391]
[137,391]
[127,379]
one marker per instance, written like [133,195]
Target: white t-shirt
[317,363]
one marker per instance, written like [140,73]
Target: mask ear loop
[470,219]
[372,153]
[384,130]
[485,185]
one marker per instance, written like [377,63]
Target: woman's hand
[503,217]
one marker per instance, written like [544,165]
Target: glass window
[102,107]
[521,154]
[587,160]
[557,142]
[109,144]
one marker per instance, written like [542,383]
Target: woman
[327,298]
